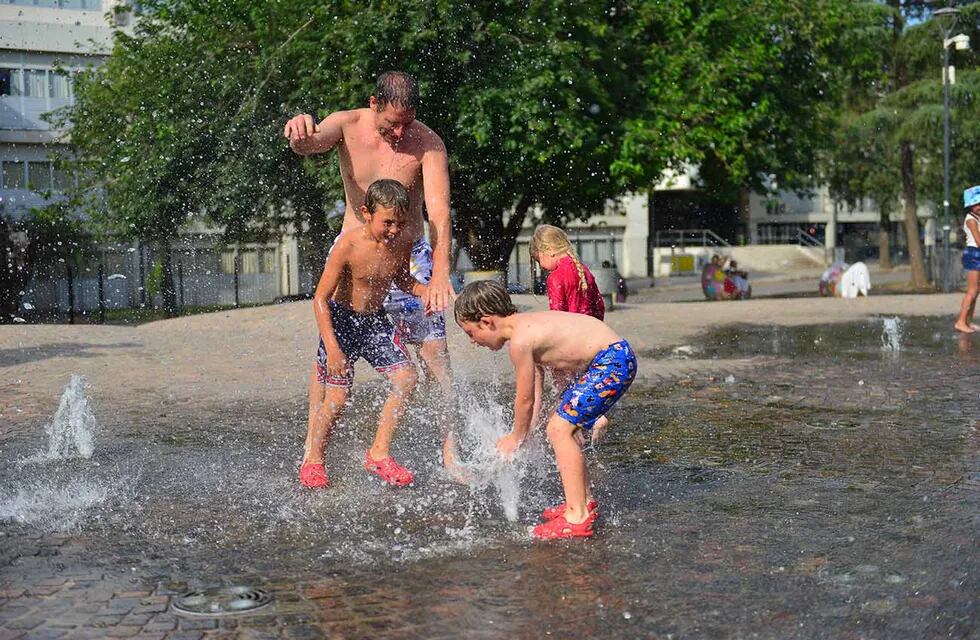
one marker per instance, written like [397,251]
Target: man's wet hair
[484,298]
[397,88]
[387,193]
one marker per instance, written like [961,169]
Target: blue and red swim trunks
[362,335]
[605,381]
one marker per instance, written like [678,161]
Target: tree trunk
[488,242]
[168,292]
[884,241]
[911,220]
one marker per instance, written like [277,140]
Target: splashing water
[483,424]
[71,430]
[891,335]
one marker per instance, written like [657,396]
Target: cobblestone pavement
[747,490]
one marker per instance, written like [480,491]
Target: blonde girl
[571,286]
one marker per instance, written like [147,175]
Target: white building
[42,43]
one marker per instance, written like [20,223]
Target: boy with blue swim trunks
[350,315]
[597,365]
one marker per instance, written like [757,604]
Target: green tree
[178,125]
[543,104]
[49,239]
[890,142]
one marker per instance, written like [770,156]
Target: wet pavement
[829,492]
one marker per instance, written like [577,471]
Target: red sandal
[388,470]
[560,528]
[559,510]
[313,475]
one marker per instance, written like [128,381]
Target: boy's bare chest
[373,266]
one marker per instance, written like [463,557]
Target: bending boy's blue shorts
[361,335]
[971,259]
[605,381]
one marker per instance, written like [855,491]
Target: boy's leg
[571,467]
[327,404]
[403,381]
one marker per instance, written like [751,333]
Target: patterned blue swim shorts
[605,381]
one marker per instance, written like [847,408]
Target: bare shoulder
[429,140]
[522,342]
[345,244]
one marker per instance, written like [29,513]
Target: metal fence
[121,276]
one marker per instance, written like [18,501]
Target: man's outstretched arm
[435,181]
[306,137]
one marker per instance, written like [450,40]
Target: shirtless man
[386,141]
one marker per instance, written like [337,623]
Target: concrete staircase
[777,258]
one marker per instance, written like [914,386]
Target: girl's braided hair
[553,241]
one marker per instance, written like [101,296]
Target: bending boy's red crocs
[313,475]
[560,528]
[559,510]
[388,470]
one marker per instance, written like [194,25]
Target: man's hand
[337,363]
[508,445]
[439,293]
[300,127]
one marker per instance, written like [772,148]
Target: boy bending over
[349,308]
[598,365]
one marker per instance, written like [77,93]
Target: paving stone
[25,623]
[122,631]
[193,624]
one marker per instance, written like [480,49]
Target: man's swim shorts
[408,312]
[600,387]
[370,336]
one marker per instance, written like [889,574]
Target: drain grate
[225,601]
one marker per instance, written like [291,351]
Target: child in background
[600,365]
[971,260]
[571,286]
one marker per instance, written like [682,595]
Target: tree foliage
[889,146]
[544,105]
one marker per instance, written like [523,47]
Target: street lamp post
[947,21]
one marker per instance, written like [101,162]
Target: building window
[13,175]
[61,180]
[39,176]
[77,5]
[10,82]
[59,85]
[35,83]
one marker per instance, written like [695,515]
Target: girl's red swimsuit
[565,292]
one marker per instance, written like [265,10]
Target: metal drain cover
[225,601]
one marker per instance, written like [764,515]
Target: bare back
[561,341]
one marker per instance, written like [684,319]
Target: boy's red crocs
[559,528]
[389,470]
[559,510]
[313,475]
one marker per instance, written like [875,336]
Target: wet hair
[387,193]
[480,299]
[397,88]
[555,242]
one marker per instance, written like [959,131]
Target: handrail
[689,237]
[807,240]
